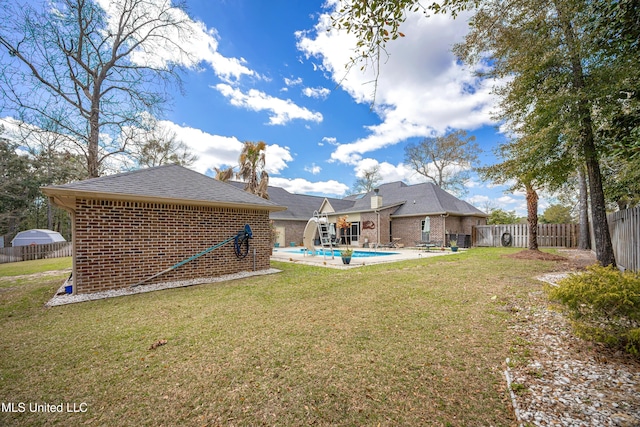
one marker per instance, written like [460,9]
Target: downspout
[74,248]
[444,227]
[378,229]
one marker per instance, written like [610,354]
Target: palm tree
[252,163]
[224,175]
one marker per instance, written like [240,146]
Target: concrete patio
[297,254]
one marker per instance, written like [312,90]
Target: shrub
[604,305]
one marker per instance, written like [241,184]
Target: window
[425,227]
[350,235]
[355,231]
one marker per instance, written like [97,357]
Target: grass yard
[419,342]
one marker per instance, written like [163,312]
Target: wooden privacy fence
[517,235]
[624,227]
[27,253]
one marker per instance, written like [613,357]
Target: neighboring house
[131,226]
[394,212]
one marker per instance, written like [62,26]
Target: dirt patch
[580,259]
[571,259]
[50,273]
[537,255]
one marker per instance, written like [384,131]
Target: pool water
[336,252]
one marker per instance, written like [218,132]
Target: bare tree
[89,71]
[445,160]
[158,145]
[368,181]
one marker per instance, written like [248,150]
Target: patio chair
[427,245]
[384,245]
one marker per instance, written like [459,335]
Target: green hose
[241,238]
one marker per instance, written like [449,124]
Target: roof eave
[64,196]
[381,208]
[482,214]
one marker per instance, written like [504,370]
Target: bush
[604,304]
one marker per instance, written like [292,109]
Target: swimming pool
[336,252]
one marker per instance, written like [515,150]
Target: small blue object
[248,232]
[68,289]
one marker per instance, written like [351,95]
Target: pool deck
[401,254]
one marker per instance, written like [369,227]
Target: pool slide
[309,235]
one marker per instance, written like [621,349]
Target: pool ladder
[324,232]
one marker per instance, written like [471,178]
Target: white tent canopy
[37,237]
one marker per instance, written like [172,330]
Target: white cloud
[330,140]
[212,150]
[313,169]
[276,158]
[282,111]
[316,92]
[293,82]
[507,200]
[193,46]
[388,172]
[302,186]
[422,89]
[479,200]
[473,183]
[223,151]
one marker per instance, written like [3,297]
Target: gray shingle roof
[418,199]
[429,200]
[299,206]
[165,182]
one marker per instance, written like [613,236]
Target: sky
[270,71]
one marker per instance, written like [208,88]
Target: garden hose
[242,238]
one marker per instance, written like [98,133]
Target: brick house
[393,212]
[130,226]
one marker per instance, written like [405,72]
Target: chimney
[376,200]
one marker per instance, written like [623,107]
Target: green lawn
[419,342]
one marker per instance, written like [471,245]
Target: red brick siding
[409,229]
[471,221]
[293,230]
[368,234]
[381,229]
[463,224]
[118,243]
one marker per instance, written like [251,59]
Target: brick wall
[369,234]
[469,222]
[118,243]
[293,231]
[381,229]
[409,229]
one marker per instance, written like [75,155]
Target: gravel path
[567,381]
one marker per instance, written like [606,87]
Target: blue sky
[269,70]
